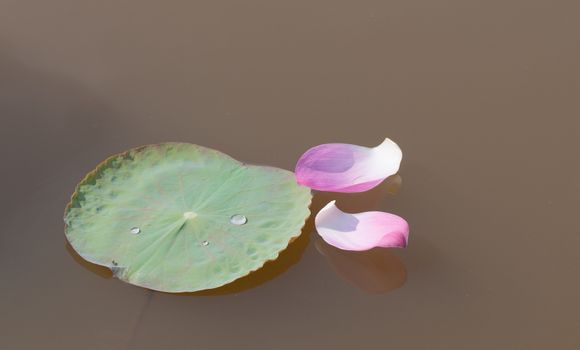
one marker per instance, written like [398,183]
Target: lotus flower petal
[361,231]
[341,167]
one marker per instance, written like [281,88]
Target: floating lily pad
[178,217]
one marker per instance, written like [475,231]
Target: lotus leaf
[178,217]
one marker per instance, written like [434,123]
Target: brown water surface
[482,96]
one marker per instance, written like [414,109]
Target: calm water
[483,98]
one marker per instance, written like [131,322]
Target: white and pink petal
[340,167]
[361,231]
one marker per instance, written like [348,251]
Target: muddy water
[481,96]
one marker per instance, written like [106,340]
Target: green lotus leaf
[178,217]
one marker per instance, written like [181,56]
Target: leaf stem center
[190,215]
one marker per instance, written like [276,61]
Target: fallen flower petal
[341,167]
[361,231]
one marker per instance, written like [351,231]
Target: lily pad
[178,217]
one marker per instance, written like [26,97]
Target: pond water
[482,97]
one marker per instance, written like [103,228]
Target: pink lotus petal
[361,231]
[341,167]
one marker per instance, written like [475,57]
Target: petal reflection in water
[374,271]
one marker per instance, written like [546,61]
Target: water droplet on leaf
[238,219]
